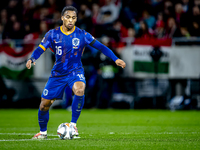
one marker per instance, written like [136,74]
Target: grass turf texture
[104,129]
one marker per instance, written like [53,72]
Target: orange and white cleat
[74,130]
[40,136]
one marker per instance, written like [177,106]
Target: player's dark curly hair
[71,8]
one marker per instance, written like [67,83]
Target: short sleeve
[46,41]
[88,38]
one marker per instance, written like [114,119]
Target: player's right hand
[28,64]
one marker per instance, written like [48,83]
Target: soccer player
[67,42]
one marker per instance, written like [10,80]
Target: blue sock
[77,106]
[43,118]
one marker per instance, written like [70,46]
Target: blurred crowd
[116,23]
[119,20]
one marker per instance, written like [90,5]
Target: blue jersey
[68,49]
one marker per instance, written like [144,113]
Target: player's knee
[43,107]
[79,92]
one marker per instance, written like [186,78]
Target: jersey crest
[75,43]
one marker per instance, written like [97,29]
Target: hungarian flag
[143,61]
[13,63]
[138,58]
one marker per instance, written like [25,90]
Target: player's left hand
[120,63]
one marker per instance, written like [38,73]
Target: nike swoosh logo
[58,42]
[78,110]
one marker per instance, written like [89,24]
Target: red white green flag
[13,63]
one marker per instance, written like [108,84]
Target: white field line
[108,133]
[24,134]
[29,139]
[79,137]
[164,133]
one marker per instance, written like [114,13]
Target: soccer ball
[65,131]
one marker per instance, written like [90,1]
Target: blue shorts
[55,86]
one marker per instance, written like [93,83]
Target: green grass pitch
[104,129]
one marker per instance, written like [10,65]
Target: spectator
[178,12]
[168,10]
[27,28]
[118,26]
[17,31]
[108,13]
[194,22]
[61,3]
[155,6]
[43,29]
[13,18]
[195,29]
[84,18]
[70,3]
[155,2]
[1,33]
[171,29]
[159,30]
[150,20]
[196,14]
[144,31]
[95,13]
[176,18]
[41,13]
[128,15]
[8,28]
[27,10]
[125,41]
[131,36]
[14,7]
[44,13]
[185,5]
[56,18]
[38,2]
[160,21]
[118,31]
[84,8]
[4,17]
[197,2]
[185,32]
[51,5]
